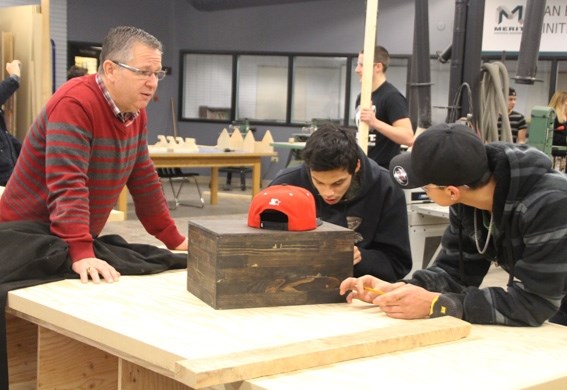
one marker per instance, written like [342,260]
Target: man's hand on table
[93,268]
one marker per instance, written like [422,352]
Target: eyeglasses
[160,74]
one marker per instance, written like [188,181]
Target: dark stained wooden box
[231,265]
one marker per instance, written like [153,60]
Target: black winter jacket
[31,255]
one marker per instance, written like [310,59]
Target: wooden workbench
[206,157]
[151,330]
[209,157]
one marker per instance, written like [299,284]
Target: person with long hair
[559,103]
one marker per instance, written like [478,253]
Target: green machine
[540,131]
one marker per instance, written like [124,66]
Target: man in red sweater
[85,146]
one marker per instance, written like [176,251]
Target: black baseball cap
[445,154]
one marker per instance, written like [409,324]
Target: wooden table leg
[64,362]
[22,352]
[256,174]
[214,185]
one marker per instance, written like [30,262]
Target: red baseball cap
[283,207]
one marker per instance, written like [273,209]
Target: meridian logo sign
[504,22]
[517,12]
[509,21]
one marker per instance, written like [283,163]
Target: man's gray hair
[117,45]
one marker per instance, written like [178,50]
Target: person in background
[388,120]
[88,142]
[518,123]
[506,207]
[351,190]
[559,103]
[76,71]
[9,145]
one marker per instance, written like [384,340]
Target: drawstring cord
[461,257]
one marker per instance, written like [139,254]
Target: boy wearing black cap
[518,124]
[507,206]
[351,190]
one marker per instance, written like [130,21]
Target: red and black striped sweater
[75,161]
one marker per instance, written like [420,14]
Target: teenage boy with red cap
[508,207]
[353,191]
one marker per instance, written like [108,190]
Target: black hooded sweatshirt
[375,208]
[529,241]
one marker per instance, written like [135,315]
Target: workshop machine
[426,223]
[540,135]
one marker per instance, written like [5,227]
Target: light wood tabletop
[151,327]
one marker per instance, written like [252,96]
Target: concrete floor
[230,203]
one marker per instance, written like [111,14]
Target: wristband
[433,302]
[445,305]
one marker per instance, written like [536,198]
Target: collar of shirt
[125,117]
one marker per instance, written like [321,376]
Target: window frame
[350,79]
[350,59]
